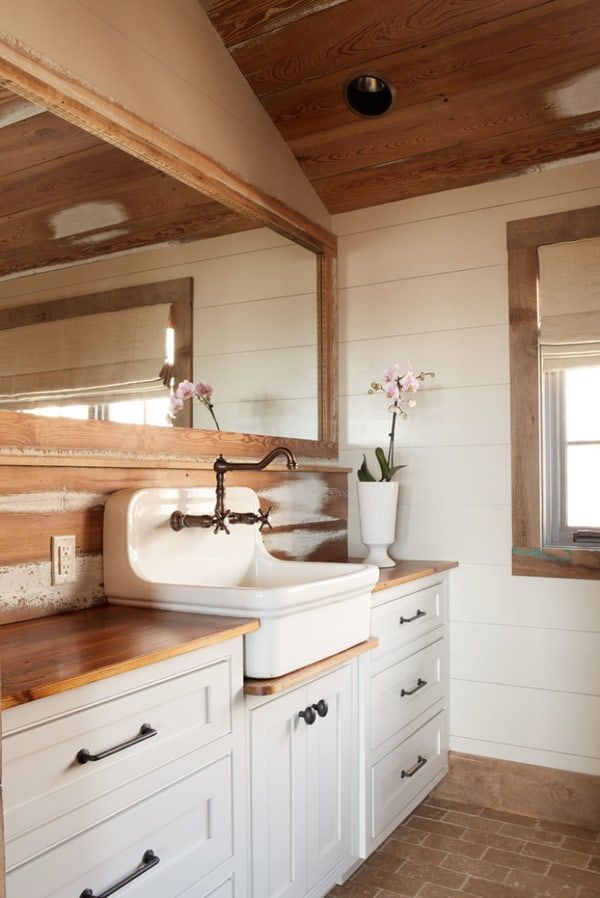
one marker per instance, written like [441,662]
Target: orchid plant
[400,388]
[187,390]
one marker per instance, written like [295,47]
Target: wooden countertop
[405,571]
[52,654]
[304,674]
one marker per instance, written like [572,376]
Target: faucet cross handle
[264,517]
[221,522]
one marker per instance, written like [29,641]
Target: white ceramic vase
[378,509]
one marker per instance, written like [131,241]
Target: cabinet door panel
[330,763]
[278,801]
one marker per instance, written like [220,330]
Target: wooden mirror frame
[26,435]
[529,556]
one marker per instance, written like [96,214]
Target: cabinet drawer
[406,689]
[44,780]
[188,826]
[403,620]
[200,890]
[401,774]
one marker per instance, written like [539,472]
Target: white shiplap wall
[425,280]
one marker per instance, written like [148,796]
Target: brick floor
[449,850]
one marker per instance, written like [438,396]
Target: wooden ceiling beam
[15,109]
[495,52]
[339,37]
[461,166]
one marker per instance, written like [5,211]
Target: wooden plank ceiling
[68,197]
[485,88]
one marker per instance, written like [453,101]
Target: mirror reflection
[569,312]
[118,283]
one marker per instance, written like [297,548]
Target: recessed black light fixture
[369,95]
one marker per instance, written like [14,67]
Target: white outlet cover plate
[63,560]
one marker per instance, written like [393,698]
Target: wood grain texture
[406,571]
[45,657]
[35,79]
[482,90]
[557,795]
[524,237]
[304,674]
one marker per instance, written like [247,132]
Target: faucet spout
[223,516]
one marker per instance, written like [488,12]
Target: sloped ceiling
[485,88]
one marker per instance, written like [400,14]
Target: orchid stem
[390,457]
[211,409]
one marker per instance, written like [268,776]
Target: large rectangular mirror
[118,283]
[554,267]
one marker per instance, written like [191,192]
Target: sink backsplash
[310,510]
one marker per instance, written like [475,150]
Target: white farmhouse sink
[307,610]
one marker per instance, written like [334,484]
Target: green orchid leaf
[364,475]
[386,474]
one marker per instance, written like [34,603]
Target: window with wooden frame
[554,310]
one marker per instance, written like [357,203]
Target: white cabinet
[405,691]
[162,795]
[303,780]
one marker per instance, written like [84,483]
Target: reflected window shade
[570,355]
[88,360]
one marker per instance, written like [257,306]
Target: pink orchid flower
[175,405]
[409,383]
[391,389]
[391,374]
[185,390]
[203,390]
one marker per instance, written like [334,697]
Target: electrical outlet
[63,560]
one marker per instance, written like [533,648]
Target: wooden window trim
[524,237]
[38,80]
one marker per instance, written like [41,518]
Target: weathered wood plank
[335,38]
[238,21]
[452,167]
[487,55]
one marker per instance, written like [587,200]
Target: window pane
[582,403]
[583,486]
[80,412]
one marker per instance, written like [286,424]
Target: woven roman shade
[87,360]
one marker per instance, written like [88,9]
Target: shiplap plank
[532,718]
[473,416]
[459,358]
[446,301]
[277,322]
[538,658]
[291,418]
[480,475]
[491,595]
[476,239]
[273,374]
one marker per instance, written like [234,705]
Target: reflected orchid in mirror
[395,386]
[187,390]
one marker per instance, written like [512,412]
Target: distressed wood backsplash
[310,510]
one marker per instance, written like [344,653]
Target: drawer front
[404,691]
[43,778]
[200,890]
[401,774]
[188,827]
[399,622]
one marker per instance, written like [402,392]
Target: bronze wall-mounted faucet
[222,516]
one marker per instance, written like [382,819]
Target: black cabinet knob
[321,708]
[309,716]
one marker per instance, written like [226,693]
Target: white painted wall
[163,60]
[425,280]
[255,321]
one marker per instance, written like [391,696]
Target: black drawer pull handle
[309,715]
[146,732]
[322,708]
[420,684]
[420,763]
[408,620]
[149,860]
